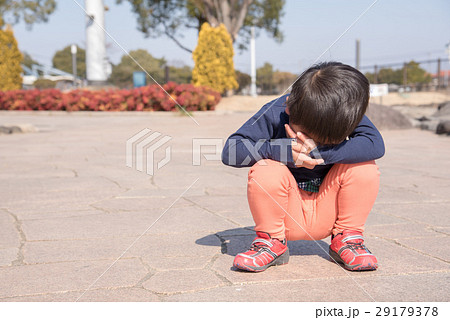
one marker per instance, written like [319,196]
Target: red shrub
[170,97]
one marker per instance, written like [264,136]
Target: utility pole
[375,74]
[438,73]
[405,75]
[447,49]
[358,42]
[73,50]
[253,63]
[166,74]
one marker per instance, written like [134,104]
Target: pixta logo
[141,148]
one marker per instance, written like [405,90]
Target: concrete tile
[56,204]
[164,263]
[415,287]
[378,218]
[174,251]
[436,246]
[7,256]
[97,295]
[219,191]
[396,259]
[125,224]
[9,237]
[124,204]
[400,230]
[178,244]
[34,215]
[182,280]
[393,194]
[443,230]
[220,204]
[67,276]
[430,213]
[243,220]
[191,218]
[74,250]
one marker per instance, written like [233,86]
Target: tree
[264,78]
[386,75]
[62,60]
[12,11]
[180,75]
[243,79]
[10,59]
[213,58]
[170,17]
[414,75]
[283,80]
[122,74]
[28,60]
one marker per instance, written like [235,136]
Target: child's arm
[253,141]
[364,144]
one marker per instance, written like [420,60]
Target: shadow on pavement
[234,241]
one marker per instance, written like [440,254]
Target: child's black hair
[328,101]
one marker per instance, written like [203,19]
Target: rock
[384,117]
[5,130]
[443,127]
[17,128]
[443,110]
[429,124]
[27,127]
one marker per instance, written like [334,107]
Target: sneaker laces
[257,247]
[357,245]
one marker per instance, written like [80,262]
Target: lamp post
[73,50]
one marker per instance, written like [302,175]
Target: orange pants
[282,209]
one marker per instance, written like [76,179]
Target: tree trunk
[229,12]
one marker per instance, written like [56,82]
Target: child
[312,172]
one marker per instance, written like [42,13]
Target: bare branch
[167,33]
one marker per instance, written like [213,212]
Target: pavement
[79,225]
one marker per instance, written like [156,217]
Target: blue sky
[390,32]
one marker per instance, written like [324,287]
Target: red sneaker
[263,253]
[348,249]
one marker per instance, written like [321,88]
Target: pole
[439,73]
[405,75]
[358,42]
[73,50]
[375,74]
[166,74]
[253,63]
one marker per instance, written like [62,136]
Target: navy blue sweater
[263,136]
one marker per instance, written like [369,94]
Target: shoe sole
[280,260]
[357,267]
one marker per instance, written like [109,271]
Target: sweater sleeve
[254,140]
[364,144]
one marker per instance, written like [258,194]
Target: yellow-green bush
[10,59]
[44,84]
[213,58]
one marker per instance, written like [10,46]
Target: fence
[426,75]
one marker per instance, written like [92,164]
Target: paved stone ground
[70,208]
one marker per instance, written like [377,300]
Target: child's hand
[301,147]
